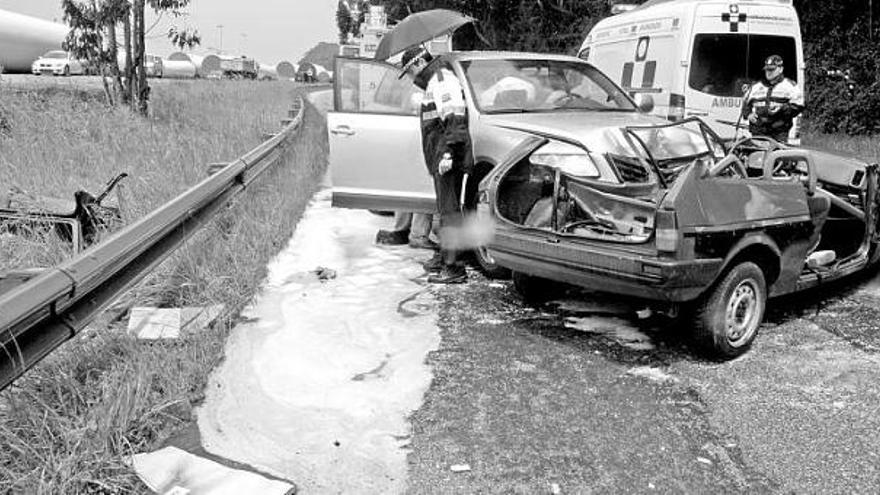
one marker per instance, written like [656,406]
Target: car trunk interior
[546,198]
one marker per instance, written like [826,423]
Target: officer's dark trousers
[448,189]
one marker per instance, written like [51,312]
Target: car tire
[726,320]
[488,266]
[535,289]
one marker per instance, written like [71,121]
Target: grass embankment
[866,148]
[70,424]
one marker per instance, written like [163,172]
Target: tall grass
[866,148]
[69,425]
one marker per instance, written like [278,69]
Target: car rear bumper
[624,272]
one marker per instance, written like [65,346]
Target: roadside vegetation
[71,423]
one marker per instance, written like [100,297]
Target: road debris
[324,274]
[555,489]
[705,461]
[151,323]
[460,468]
[651,373]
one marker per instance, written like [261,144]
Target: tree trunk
[113,61]
[142,90]
[128,93]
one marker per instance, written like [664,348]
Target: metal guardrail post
[44,312]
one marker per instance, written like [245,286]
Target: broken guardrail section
[53,306]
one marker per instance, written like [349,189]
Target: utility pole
[220,29]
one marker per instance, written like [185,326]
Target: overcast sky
[268,30]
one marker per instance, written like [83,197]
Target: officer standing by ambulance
[772,103]
[446,145]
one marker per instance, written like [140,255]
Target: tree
[843,65]
[343,20]
[321,54]
[532,25]
[93,37]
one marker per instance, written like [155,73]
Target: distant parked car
[154,67]
[58,63]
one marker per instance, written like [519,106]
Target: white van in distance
[697,57]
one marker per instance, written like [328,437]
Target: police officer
[772,103]
[446,146]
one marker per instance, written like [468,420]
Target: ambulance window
[722,63]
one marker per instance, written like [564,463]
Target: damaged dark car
[672,214]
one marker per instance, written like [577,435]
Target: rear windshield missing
[722,63]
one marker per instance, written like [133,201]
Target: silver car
[376,157]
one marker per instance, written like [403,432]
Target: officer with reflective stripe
[772,103]
[446,145]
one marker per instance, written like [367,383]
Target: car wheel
[66,70]
[726,320]
[535,289]
[488,266]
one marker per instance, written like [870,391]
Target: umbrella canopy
[418,28]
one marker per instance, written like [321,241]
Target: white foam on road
[317,385]
[171,470]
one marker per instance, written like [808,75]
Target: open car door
[376,157]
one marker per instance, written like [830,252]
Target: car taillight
[666,230]
[676,107]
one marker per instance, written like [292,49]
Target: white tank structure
[282,70]
[267,72]
[178,69]
[24,38]
[210,66]
[307,72]
[322,75]
[180,56]
[286,70]
[205,64]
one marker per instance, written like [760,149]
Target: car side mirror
[645,102]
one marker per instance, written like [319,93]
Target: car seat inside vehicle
[512,98]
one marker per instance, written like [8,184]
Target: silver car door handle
[343,129]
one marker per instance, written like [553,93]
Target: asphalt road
[583,396]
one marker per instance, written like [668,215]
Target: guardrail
[44,312]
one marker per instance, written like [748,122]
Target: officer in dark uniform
[446,145]
[772,103]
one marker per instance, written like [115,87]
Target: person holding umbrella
[446,146]
[446,142]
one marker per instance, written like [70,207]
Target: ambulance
[697,57]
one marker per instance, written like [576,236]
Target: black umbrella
[418,28]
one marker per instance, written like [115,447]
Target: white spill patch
[150,323]
[651,373]
[318,383]
[614,328]
[171,470]
[598,304]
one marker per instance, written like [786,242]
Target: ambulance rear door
[729,44]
